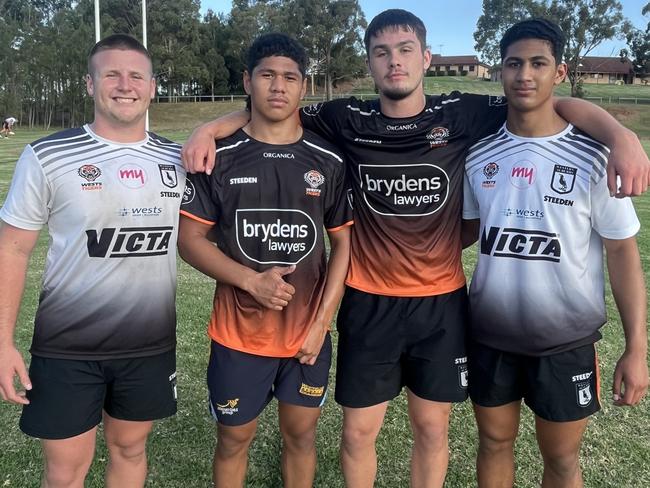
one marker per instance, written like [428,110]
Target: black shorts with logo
[242,384]
[386,343]
[560,387]
[68,396]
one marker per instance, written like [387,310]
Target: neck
[286,131]
[410,106]
[120,133]
[537,123]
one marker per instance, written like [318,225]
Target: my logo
[132,176]
[523,175]
[168,175]
[563,179]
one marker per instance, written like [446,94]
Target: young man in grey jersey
[104,336]
[537,295]
[398,59]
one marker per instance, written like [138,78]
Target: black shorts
[561,387]
[68,396]
[5,125]
[386,343]
[242,384]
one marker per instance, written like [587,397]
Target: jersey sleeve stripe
[194,217]
[232,146]
[333,154]
[341,227]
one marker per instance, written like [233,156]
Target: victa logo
[132,176]
[533,245]
[128,242]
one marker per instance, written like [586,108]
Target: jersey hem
[20,224]
[194,217]
[557,349]
[254,352]
[340,227]
[102,357]
[420,292]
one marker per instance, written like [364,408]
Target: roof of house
[438,60]
[598,64]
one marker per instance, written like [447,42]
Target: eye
[513,64]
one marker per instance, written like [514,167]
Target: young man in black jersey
[104,339]
[278,186]
[402,321]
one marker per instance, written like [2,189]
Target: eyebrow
[283,73]
[540,57]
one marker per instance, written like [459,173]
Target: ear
[303,91]
[560,73]
[247,83]
[90,88]
[427,59]
[152,91]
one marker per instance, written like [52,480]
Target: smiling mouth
[124,101]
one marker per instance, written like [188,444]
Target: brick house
[469,66]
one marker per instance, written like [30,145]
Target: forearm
[594,120]
[336,273]
[205,256]
[628,288]
[226,125]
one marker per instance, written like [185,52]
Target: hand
[629,161]
[269,288]
[631,371]
[198,153]
[312,344]
[12,364]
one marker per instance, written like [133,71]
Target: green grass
[616,450]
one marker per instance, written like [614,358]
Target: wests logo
[404,190]
[128,242]
[275,236]
[533,245]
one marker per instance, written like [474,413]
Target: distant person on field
[537,298]
[276,190]
[105,329]
[8,126]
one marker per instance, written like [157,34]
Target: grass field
[616,450]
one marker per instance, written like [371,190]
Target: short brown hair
[121,42]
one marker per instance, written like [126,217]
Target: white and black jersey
[112,213]
[544,205]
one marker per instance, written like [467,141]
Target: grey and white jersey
[109,283]
[538,287]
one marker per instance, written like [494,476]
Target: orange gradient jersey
[407,179]
[269,205]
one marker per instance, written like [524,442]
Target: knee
[562,463]
[233,441]
[127,450]
[65,474]
[430,432]
[357,435]
[301,440]
[492,441]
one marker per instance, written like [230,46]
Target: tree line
[44,45]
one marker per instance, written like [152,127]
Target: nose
[123,82]
[525,72]
[278,84]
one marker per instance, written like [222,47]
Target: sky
[450,25]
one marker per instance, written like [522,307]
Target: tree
[638,42]
[586,24]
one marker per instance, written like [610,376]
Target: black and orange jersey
[407,179]
[269,205]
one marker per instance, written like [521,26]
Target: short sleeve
[29,200]
[339,209]
[324,118]
[470,204]
[199,200]
[612,218]
[483,114]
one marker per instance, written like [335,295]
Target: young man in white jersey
[537,295]
[267,204]
[8,126]
[401,322]
[104,336]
